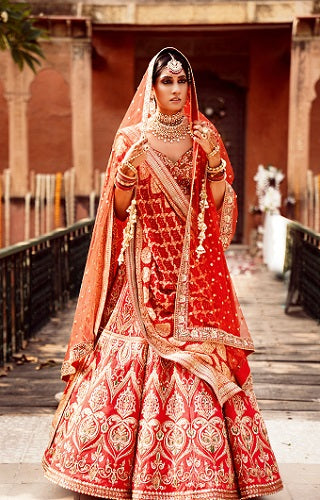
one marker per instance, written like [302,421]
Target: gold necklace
[169,128]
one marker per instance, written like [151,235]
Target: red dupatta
[207,312]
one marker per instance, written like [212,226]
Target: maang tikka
[174,66]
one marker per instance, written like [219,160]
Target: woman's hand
[204,136]
[135,156]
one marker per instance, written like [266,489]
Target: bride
[159,401]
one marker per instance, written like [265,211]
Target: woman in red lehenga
[159,402]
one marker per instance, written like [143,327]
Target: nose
[175,88]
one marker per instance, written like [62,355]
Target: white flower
[268,180]
[4,16]
[271,201]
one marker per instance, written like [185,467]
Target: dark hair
[162,60]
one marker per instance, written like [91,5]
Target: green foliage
[19,35]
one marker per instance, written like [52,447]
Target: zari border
[114,494]
[256,490]
[174,194]
[207,333]
[226,221]
[82,486]
[78,352]
[117,494]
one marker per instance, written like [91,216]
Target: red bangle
[122,186]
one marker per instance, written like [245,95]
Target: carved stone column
[81,103]
[305,72]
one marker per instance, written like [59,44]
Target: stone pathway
[286,373]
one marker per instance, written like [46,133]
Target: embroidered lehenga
[159,402]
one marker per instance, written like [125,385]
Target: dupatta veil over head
[207,312]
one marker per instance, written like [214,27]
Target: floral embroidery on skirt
[140,427]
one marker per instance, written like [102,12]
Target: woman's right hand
[136,155]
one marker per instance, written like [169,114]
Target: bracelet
[215,150]
[125,177]
[215,179]
[121,186]
[124,182]
[215,170]
[131,167]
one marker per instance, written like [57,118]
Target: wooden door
[223,103]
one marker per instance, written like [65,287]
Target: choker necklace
[169,128]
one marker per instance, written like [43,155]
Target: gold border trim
[118,494]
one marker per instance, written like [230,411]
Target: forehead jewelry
[174,66]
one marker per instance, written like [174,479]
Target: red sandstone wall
[267,108]
[314,156]
[112,89]
[49,123]
[4,160]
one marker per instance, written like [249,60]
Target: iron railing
[303,258]
[37,278]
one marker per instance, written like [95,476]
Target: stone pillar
[81,104]
[305,72]
[17,84]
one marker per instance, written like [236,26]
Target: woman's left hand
[204,136]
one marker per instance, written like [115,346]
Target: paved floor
[285,366]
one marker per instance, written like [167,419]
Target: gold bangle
[215,170]
[131,167]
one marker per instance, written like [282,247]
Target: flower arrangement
[268,181]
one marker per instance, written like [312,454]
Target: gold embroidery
[226,222]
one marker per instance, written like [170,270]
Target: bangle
[131,167]
[215,170]
[125,182]
[121,186]
[125,177]
[216,178]
[215,150]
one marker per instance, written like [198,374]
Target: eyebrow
[170,76]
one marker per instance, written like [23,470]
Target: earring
[152,105]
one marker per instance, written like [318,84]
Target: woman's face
[170,91]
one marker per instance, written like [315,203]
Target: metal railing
[303,258]
[37,278]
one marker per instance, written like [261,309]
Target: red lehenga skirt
[140,427]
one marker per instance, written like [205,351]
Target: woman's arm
[218,189]
[204,136]
[122,200]
[126,178]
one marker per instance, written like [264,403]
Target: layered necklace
[169,128]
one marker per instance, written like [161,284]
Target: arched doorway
[224,103]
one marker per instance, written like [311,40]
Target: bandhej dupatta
[207,313]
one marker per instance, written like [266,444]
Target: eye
[166,81]
[183,80]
